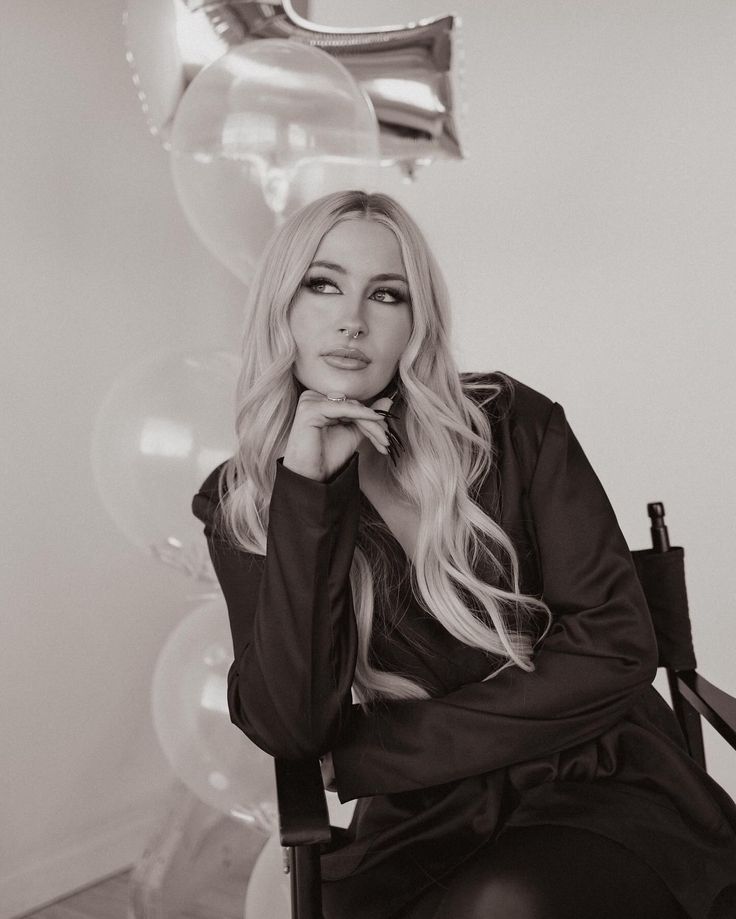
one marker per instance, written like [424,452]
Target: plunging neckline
[374,510]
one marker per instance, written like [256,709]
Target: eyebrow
[376,277]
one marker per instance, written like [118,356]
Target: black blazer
[585,740]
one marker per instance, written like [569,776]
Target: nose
[352,316]
[352,331]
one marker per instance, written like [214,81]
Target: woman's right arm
[291,612]
[599,655]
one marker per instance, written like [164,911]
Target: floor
[224,898]
[217,878]
[196,864]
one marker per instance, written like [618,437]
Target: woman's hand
[328,772]
[325,434]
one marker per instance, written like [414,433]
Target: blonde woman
[428,589]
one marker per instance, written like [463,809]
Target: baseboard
[101,853]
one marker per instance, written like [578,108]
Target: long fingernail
[382,411]
[395,440]
[393,434]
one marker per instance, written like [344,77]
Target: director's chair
[303,816]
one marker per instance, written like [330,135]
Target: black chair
[303,816]
[661,571]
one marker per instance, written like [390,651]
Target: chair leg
[689,721]
[306,882]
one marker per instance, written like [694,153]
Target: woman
[428,589]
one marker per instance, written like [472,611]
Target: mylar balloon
[260,132]
[190,714]
[164,425]
[409,71]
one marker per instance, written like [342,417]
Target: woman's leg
[551,872]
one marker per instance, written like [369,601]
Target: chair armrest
[715,705]
[303,815]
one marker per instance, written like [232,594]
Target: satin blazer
[584,740]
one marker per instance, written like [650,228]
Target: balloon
[264,129]
[190,714]
[153,52]
[192,851]
[269,889]
[408,71]
[165,424]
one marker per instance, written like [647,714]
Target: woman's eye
[382,294]
[318,283]
[396,294]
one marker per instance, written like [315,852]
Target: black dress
[583,741]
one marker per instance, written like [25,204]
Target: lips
[355,353]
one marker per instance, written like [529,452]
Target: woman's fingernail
[395,440]
[393,434]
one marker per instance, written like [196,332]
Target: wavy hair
[449,452]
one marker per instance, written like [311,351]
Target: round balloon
[263,130]
[269,887]
[190,714]
[164,425]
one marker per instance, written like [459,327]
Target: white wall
[589,245]
[98,268]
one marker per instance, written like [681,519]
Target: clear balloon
[411,72]
[156,57]
[190,714]
[193,850]
[164,425]
[269,890]
[269,887]
[260,132]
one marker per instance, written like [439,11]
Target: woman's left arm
[598,655]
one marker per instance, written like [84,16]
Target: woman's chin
[351,391]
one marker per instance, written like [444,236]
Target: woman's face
[356,281]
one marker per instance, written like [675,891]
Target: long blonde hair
[448,442]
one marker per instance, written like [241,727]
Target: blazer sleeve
[598,655]
[291,612]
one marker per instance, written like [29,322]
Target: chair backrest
[662,575]
[661,571]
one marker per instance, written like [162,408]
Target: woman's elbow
[283,745]
[280,734]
